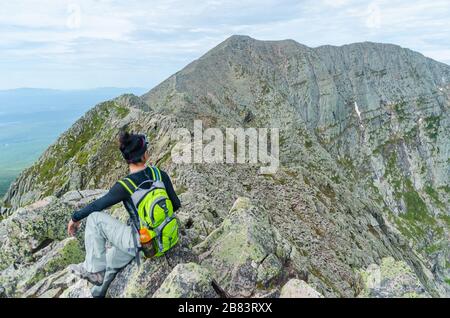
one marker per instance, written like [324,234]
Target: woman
[101,264]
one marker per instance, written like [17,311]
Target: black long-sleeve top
[118,193]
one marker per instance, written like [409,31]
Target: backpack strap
[131,187]
[156,176]
[153,172]
[128,184]
[156,173]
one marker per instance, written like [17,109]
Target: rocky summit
[359,206]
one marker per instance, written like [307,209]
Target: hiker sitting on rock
[149,198]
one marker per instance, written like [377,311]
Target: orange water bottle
[146,242]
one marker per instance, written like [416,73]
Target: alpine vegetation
[300,172]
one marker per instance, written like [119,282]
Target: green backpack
[155,211]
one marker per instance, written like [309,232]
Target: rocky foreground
[246,254]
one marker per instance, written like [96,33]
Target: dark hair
[132,146]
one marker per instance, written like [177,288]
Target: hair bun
[132,146]
[124,139]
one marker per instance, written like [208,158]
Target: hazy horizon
[32,118]
[72,89]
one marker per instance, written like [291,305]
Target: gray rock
[130,100]
[391,279]
[235,250]
[79,289]
[274,293]
[61,281]
[269,270]
[144,281]
[58,258]
[296,288]
[3,292]
[187,281]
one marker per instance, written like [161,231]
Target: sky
[79,44]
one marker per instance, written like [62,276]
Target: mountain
[362,188]
[32,118]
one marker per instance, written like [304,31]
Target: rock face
[34,244]
[391,279]
[187,281]
[298,289]
[363,173]
[245,255]
[135,282]
[242,250]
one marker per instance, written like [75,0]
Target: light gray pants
[101,228]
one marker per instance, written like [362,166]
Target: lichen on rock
[235,250]
[391,279]
[187,281]
[296,288]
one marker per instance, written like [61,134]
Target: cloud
[74,18]
[139,43]
[336,3]
[373,16]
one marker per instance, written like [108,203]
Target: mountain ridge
[363,149]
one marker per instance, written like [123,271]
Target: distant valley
[31,119]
